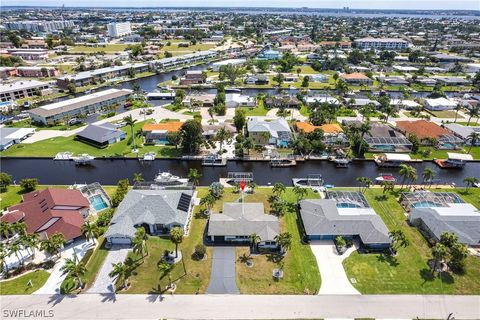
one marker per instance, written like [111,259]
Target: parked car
[74,121]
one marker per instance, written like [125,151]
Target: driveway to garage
[78,249]
[222,279]
[104,283]
[334,279]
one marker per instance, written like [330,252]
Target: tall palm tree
[300,192]
[284,241]
[176,236]
[363,130]
[74,269]
[222,135]
[137,177]
[472,112]
[398,239]
[365,183]
[166,268]
[194,176]
[3,258]
[119,270]
[254,240]
[428,175]
[473,137]
[131,122]
[53,244]
[20,228]
[90,230]
[31,241]
[470,182]
[208,201]
[138,247]
[407,172]
[279,188]
[5,230]
[439,253]
[457,108]
[15,249]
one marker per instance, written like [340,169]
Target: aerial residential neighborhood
[240,161]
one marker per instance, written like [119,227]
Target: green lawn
[260,110]
[95,262]
[409,272]
[306,69]
[27,124]
[300,266]
[20,285]
[146,278]
[50,147]
[444,114]
[473,122]
[110,48]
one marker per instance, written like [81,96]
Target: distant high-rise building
[39,26]
[116,30]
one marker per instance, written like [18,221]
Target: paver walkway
[334,279]
[222,280]
[104,283]
[52,286]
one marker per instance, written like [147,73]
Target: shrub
[29,184]
[5,181]
[200,250]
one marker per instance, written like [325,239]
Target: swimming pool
[425,204]
[347,205]
[98,203]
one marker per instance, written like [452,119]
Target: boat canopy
[397,157]
[459,156]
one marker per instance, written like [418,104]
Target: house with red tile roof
[51,210]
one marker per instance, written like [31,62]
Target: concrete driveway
[222,280]
[52,286]
[334,279]
[104,283]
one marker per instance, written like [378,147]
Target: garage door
[117,240]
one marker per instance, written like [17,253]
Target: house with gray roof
[462,219]
[265,131]
[11,136]
[240,220]
[324,219]
[101,135]
[463,132]
[155,210]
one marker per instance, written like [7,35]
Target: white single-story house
[11,136]
[439,104]
[234,100]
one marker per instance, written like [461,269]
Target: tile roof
[172,126]
[354,76]
[55,209]
[422,128]
[327,128]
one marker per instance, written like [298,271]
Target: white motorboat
[63,156]
[83,159]
[149,156]
[385,177]
[166,178]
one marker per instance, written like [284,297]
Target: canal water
[109,171]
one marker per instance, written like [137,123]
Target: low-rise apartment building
[381,43]
[22,89]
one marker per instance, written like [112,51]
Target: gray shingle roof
[147,206]
[101,133]
[255,124]
[466,227]
[321,217]
[238,221]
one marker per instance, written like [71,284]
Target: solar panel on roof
[184,202]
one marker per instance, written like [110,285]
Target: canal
[109,171]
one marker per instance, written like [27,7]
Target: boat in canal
[312,180]
[166,178]
[64,156]
[454,161]
[281,163]
[342,162]
[214,161]
[385,177]
[149,156]
[391,159]
[161,95]
[83,159]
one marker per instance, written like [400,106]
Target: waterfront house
[157,211]
[101,135]
[258,79]
[430,133]
[274,132]
[193,77]
[283,101]
[234,100]
[384,138]
[355,78]
[269,55]
[11,136]
[463,132]
[404,104]
[345,214]
[156,133]
[439,104]
[240,220]
[51,210]
[210,130]
[205,100]
[333,132]
[321,99]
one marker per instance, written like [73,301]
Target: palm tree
[248,144]
[428,175]
[439,253]
[252,185]
[3,259]
[131,122]
[5,229]
[20,228]
[166,268]
[119,270]
[208,201]
[222,135]
[194,176]
[90,230]
[142,235]
[398,239]
[74,269]
[473,137]
[15,248]
[254,240]
[138,247]
[408,173]
[176,236]
[387,186]
[31,241]
[278,188]
[366,182]
[300,192]
[472,112]
[457,108]
[53,244]
[470,182]
[137,177]
[284,241]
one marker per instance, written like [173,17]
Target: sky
[363,4]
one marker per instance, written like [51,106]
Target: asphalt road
[110,306]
